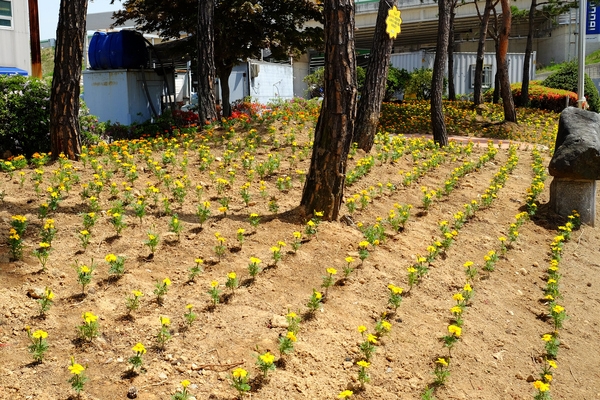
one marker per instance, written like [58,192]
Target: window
[5,14]
[486,76]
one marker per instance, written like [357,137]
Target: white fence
[464,67]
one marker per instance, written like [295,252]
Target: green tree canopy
[242,27]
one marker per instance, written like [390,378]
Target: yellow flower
[165,321]
[231,275]
[442,361]
[371,338]
[185,383]
[49,294]
[467,288]
[275,249]
[386,326]
[552,363]
[362,328]
[541,386]
[189,306]
[548,378]
[241,231]
[363,363]
[76,369]
[89,317]
[458,297]
[411,270]
[455,330]
[364,244]
[281,244]
[468,264]
[139,348]
[318,295]
[421,259]
[558,309]
[456,310]
[267,358]
[345,394]
[331,271]
[297,235]
[318,213]
[137,293]
[547,337]
[110,258]
[291,336]
[39,334]
[395,289]
[291,315]
[214,284]
[254,260]
[167,282]
[239,373]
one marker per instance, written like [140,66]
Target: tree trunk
[440,135]
[324,186]
[451,88]
[207,107]
[524,100]
[507,99]
[373,92]
[64,96]
[224,73]
[483,27]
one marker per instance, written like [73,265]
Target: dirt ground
[498,355]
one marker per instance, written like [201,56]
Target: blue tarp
[12,71]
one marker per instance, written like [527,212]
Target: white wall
[14,41]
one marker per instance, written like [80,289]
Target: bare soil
[498,355]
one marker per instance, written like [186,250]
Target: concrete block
[567,195]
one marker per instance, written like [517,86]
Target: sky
[48,12]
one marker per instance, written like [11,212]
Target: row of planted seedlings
[449,233]
[374,235]
[84,272]
[317,298]
[84,275]
[556,312]
[463,298]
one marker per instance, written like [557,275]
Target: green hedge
[567,78]
[24,115]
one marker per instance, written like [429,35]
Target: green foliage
[541,97]
[566,79]
[419,84]
[24,115]
[397,80]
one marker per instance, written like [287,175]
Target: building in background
[14,37]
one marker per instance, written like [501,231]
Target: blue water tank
[117,50]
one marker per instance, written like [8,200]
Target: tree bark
[224,73]
[451,87]
[483,27]
[438,124]
[524,100]
[207,107]
[373,92]
[324,186]
[507,99]
[64,96]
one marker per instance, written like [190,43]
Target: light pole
[581,72]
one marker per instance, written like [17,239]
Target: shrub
[566,79]
[544,98]
[419,84]
[24,115]
[396,81]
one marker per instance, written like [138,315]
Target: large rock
[577,148]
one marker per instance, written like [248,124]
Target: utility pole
[34,40]
[581,72]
